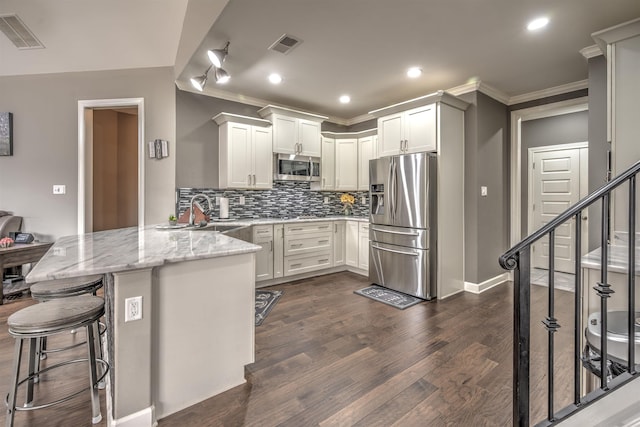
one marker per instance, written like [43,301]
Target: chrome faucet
[192,215]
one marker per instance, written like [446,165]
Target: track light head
[199,82]
[217,56]
[222,76]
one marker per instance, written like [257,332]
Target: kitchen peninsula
[196,333]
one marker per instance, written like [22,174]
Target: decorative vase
[173,222]
[348,209]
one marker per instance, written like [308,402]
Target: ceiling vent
[285,44]
[22,37]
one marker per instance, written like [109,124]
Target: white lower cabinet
[307,247]
[263,237]
[351,243]
[363,246]
[357,245]
[278,250]
[339,248]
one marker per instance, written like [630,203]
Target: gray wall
[486,164]
[557,130]
[45,119]
[598,144]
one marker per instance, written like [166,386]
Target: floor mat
[388,296]
[265,301]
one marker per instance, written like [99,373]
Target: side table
[18,254]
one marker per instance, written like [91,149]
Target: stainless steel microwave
[290,167]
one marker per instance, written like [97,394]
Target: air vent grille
[15,30]
[285,44]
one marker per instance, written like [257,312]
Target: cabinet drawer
[313,242]
[307,227]
[262,231]
[304,263]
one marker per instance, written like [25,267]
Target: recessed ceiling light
[538,23]
[345,99]
[414,72]
[275,78]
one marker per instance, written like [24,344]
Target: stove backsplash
[286,199]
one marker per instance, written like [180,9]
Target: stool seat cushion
[68,286]
[56,315]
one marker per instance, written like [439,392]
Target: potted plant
[173,220]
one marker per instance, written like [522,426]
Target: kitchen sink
[242,232]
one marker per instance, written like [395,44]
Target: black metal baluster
[577,311]
[631,359]
[604,290]
[521,337]
[551,323]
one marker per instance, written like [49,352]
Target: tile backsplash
[286,199]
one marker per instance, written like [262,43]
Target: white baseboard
[476,288]
[143,418]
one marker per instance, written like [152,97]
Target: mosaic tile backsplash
[286,199]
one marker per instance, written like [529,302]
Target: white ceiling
[359,47]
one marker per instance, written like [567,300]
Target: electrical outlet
[326,200]
[483,191]
[59,189]
[60,251]
[132,309]
[363,200]
[241,200]
[218,200]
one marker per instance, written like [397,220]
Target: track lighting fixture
[222,76]
[199,82]
[217,56]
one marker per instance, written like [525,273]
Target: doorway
[557,177]
[110,164]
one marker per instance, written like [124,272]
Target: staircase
[603,405]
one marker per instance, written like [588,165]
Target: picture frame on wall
[6,134]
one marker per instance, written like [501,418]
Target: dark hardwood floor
[328,357]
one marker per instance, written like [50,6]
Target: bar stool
[64,288]
[45,320]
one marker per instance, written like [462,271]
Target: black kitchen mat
[388,296]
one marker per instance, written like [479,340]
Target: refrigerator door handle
[391,198]
[394,232]
[394,251]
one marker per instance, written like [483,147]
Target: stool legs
[33,343]
[93,374]
[11,404]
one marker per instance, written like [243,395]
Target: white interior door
[556,183]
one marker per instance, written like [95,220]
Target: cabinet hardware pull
[271,245]
[323,260]
[394,251]
[249,176]
[394,232]
[323,227]
[323,241]
[335,228]
[296,229]
[254,179]
[295,265]
[296,245]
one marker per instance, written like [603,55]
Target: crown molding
[616,33]
[591,51]
[479,86]
[552,91]
[236,118]
[360,134]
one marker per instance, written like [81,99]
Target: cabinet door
[346,164]
[262,157]
[363,247]
[339,248]
[309,136]
[278,250]
[366,152]
[264,259]
[390,134]
[328,165]
[420,129]
[239,151]
[285,134]
[351,244]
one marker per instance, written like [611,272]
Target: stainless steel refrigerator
[403,223]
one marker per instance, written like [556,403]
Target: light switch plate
[59,189]
[242,200]
[326,200]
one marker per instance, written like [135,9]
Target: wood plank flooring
[328,357]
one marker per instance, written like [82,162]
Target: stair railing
[518,259]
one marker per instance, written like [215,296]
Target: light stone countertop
[618,259]
[131,249]
[266,221]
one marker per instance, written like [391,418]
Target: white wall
[45,140]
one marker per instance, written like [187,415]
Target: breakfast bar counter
[196,331]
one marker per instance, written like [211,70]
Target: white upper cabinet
[367,150]
[328,164]
[409,131]
[346,164]
[246,159]
[294,132]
